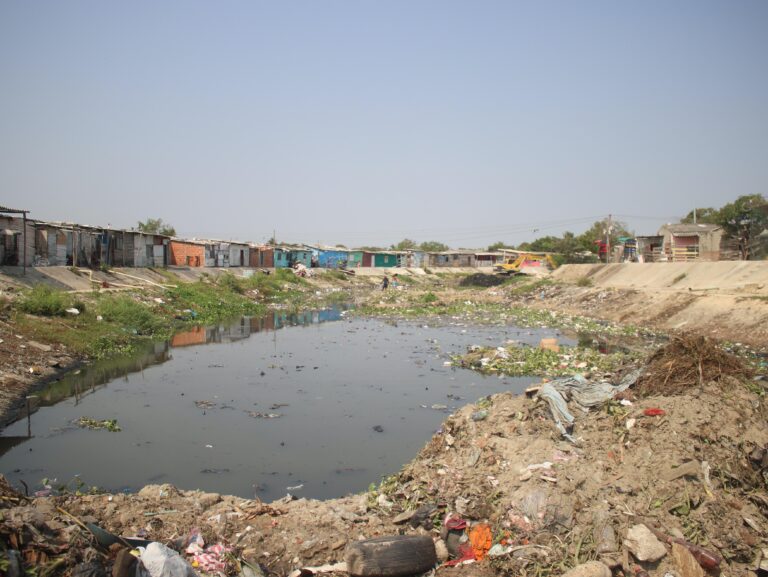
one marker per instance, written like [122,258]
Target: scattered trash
[72,311]
[549,345]
[258,415]
[481,539]
[654,412]
[161,561]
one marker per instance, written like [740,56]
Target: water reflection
[84,381]
[246,326]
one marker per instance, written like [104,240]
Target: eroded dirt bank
[725,300]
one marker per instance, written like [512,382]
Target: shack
[385,259]
[301,255]
[451,258]
[329,256]
[17,238]
[359,258]
[689,242]
[262,256]
[192,252]
[71,244]
[650,248]
[488,259]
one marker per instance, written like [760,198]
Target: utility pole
[608,228]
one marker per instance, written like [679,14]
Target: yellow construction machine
[513,264]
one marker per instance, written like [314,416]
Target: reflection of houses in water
[245,326]
[90,378]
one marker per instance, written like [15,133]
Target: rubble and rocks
[643,544]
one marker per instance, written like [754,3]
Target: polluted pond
[313,404]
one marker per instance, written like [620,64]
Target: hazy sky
[365,122]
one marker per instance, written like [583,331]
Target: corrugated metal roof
[13,210]
[690,228]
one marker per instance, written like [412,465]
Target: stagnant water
[355,399]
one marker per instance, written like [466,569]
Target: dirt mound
[688,361]
[482,280]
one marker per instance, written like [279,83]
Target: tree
[497,246]
[156,226]
[708,215]
[433,246]
[405,244]
[598,231]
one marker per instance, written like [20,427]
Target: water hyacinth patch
[518,361]
[105,424]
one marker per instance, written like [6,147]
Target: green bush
[584,281]
[129,314]
[228,281]
[428,297]
[45,301]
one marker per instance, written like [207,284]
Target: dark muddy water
[350,400]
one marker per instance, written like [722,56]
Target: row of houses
[29,242]
[209,253]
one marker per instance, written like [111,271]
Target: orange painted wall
[184,254]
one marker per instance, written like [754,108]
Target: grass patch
[130,315]
[206,302]
[45,301]
[584,281]
[530,286]
[336,275]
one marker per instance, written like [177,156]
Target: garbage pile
[482,280]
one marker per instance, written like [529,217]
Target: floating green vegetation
[421,305]
[523,361]
[106,424]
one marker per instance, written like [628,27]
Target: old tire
[393,556]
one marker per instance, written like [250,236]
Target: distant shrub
[584,281]
[45,301]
